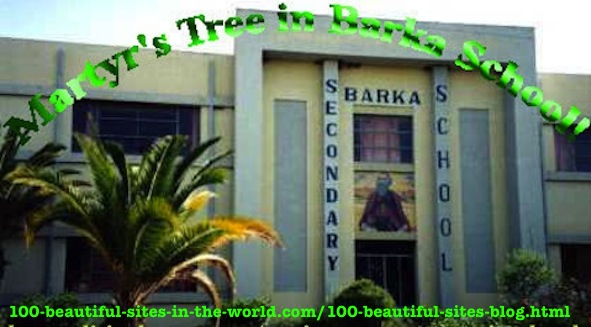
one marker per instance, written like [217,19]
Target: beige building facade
[372,160]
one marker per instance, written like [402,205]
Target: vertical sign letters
[442,165]
[330,87]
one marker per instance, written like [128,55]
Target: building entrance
[390,264]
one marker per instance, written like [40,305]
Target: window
[389,264]
[573,156]
[576,260]
[383,138]
[86,271]
[135,125]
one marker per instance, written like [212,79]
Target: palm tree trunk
[3,263]
[126,302]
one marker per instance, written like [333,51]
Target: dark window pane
[86,271]
[186,120]
[406,156]
[406,280]
[116,127]
[573,156]
[405,125]
[164,114]
[117,113]
[157,128]
[576,260]
[80,118]
[584,164]
[376,271]
[136,125]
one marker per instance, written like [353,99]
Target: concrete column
[248,163]
[523,162]
[442,163]
[211,123]
[58,266]
[63,121]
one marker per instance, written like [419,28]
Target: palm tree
[17,202]
[138,219]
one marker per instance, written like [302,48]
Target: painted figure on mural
[383,209]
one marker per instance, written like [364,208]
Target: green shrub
[242,321]
[324,321]
[525,278]
[527,281]
[64,301]
[285,322]
[360,293]
[462,322]
[571,293]
[578,297]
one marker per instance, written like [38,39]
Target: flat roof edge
[112,46]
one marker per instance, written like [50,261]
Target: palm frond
[209,163]
[162,180]
[150,223]
[16,204]
[103,173]
[68,172]
[208,285]
[109,219]
[115,150]
[62,212]
[212,176]
[50,184]
[198,200]
[188,160]
[46,156]
[186,268]
[8,152]
[73,206]
[180,246]
[216,261]
[155,170]
[237,228]
[202,237]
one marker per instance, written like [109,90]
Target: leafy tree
[139,219]
[255,320]
[361,293]
[63,300]
[527,281]
[525,278]
[16,201]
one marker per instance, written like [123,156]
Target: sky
[560,26]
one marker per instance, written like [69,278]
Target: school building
[371,159]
